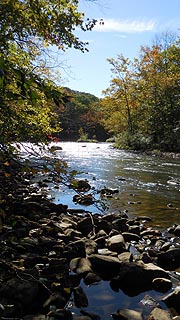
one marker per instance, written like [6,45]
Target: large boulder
[136,277]
[105,266]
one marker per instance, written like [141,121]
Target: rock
[107,252]
[82,199]
[120,224]
[172,300]
[148,302]
[108,192]
[128,236]
[75,249]
[24,292]
[159,314]
[177,231]
[80,298]
[127,314]
[169,260]
[105,266]
[91,278]
[116,243]
[134,229]
[125,257]
[146,258]
[86,225]
[80,265]
[61,314]
[136,277]
[90,246]
[161,284]
[150,232]
[80,185]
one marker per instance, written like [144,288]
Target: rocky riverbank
[48,251]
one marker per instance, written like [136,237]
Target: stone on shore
[127,314]
[116,243]
[80,265]
[159,314]
[105,266]
[169,260]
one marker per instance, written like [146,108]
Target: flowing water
[146,184]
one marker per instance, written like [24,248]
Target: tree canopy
[29,98]
[142,104]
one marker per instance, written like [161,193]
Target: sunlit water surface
[146,184]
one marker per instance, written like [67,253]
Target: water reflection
[103,301]
[146,184]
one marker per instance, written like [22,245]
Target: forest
[140,110]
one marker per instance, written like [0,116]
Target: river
[148,185]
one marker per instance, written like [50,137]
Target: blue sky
[128,24]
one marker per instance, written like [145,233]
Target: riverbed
[147,185]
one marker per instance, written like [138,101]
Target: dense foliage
[29,100]
[142,105]
[81,118]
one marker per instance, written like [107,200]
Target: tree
[28,98]
[144,94]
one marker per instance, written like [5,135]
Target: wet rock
[86,200]
[159,314]
[161,284]
[116,243]
[80,185]
[127,314]
[108,192]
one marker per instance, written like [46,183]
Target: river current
[147,185]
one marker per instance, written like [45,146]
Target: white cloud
[126,26]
